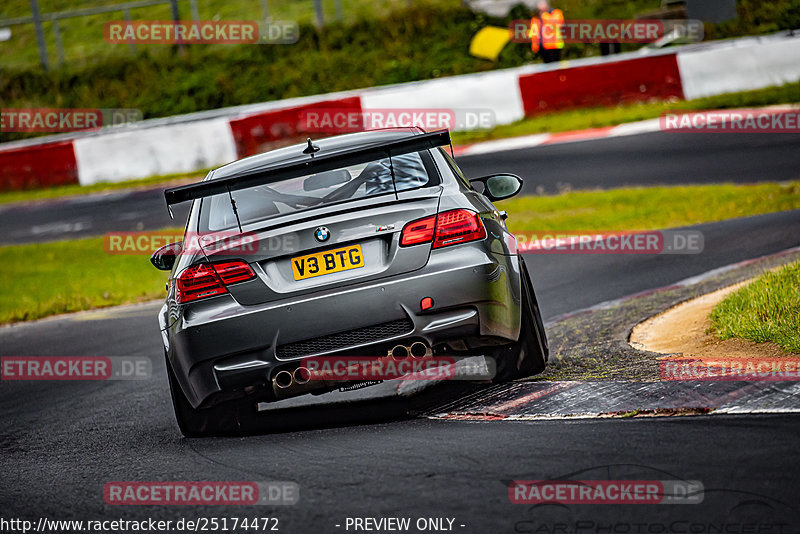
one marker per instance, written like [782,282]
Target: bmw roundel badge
[322,234]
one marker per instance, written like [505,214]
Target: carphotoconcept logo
[52,120]
[575,502]
[613,242]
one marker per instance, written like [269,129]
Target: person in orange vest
[545,33]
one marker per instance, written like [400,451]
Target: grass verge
[766,310]
[647,208]
[46,279]
[67,276]
[7,197]
[581,119]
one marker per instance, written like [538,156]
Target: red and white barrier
[133,154]
[605,84]
[209,139]
[743,65]
[256,132]
[36,166]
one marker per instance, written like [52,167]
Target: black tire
[529,355]
[227,418]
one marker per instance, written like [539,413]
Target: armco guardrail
[211,138]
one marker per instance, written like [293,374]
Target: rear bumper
[219,345]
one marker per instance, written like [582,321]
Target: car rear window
[374,178]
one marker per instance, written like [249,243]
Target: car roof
[327,146]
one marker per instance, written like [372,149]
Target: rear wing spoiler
[315,164]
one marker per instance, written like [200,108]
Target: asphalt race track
[62,441]
[646,159]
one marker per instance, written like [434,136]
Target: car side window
[456,170]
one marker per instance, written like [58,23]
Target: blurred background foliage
[374,43]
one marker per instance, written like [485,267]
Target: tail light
[207,280]
[445,229]
[419,231]
[231,272]
[457,226]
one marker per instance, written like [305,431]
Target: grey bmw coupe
[365,244]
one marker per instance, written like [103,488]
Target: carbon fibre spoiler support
[320,163]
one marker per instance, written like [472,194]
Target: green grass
[83,37]
[66,276]
[72,190]
[83,41]
[599,117]
[766,310]
[46,279]
[403,46]
[376,43]
[647,208]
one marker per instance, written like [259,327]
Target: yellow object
[330,261]
[489,42]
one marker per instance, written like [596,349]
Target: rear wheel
[229,417]
[528,356]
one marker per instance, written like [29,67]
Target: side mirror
[500,186]
[164,258]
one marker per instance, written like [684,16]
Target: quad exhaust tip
[283,379]
[399,352]
[417,349]
[301,376]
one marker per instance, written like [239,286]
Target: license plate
[330,261]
